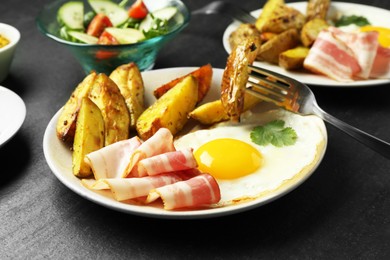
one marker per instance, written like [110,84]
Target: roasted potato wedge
[129,80]
[269,8]
[170,110]
[311,29]
[66,124]
[270,50]
[89,136]
[293,59]
[203,75]
[280,19]
[243,32]
[107,96]
[214,112]
[317,9]
[235,78]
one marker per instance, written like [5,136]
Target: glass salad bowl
[104,58]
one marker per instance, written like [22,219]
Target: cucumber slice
[83,37]
[117,14]
[165,13]
[71,15]
[126,35]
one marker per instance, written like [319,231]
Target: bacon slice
[167,162]
[130,188]
[381,66]
[332,57]
[199,191]
[160,142]
[110,161]
[364,46]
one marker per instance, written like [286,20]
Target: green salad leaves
[274,133]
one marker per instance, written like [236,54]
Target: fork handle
[371,141]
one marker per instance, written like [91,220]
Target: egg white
[280,164]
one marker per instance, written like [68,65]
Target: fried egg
[245,170]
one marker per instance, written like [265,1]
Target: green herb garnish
[353,19]
[274,133]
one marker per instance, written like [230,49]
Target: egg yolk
[228,158]
[384,34]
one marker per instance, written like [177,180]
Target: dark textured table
[341,211]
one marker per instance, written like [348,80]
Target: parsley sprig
[274,133]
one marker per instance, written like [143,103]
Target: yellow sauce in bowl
[3,41]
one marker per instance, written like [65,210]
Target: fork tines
[270,87]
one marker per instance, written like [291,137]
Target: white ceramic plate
[59,160]
[12,114]
[376,16]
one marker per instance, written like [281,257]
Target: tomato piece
[104,55]
[98,24]
[107,39]
[138,10]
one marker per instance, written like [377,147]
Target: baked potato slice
[129,80]
[203,75]
[311,29]
[66,124]
[89,136]
[271,50]
[317,9]
[269,8]
[107,96]
[281,18]
[293,59]
[170,110]
[244,32]
[214,112]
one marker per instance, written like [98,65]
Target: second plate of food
[373,14]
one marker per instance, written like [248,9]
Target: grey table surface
[341,212]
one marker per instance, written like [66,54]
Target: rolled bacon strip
[131,188]
[199,191]
[332,57]
[364,46]
[167,162]
[160,142]
[110,161]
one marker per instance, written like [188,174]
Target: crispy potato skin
[107,96]
[66,124]
[214,112]
[311,29]
[271,50]
[129,80]
[170,110]
[204,76]
[89,136]
[244,32]
[235,77]
[293,59]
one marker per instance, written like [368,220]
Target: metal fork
[296,97]
[226,8]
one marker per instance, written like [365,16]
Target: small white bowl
[7,52]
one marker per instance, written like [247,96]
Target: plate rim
[161,213]
[15,104]
[328,82]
